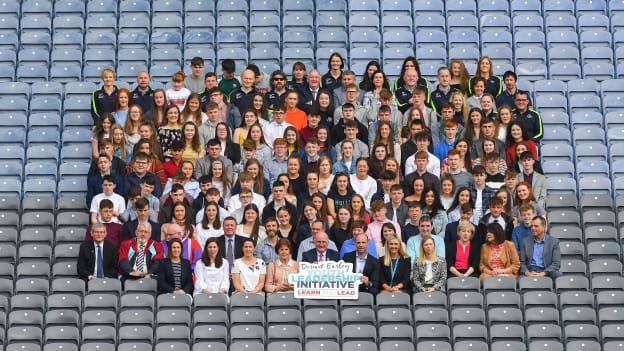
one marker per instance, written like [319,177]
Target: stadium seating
[569,53]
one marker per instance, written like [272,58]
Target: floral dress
[166,137]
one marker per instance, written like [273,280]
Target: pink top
[461,258]
[374,230]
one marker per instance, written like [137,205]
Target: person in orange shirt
[293,115]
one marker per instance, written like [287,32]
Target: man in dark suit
[97,258]
[450,233]
[143,215]
[496,215]
[230,244]
[320,252]
[365,264]
[396,208]
[540,255]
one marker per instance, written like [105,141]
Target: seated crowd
[225,184]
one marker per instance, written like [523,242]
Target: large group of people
[224,184]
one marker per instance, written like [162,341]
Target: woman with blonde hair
[103,100]
[118,137]
[460,105]
[429,273]
[463,254]
[396,266]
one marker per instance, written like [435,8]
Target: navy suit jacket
[371,270]
[310,256]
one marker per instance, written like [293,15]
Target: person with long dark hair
[175,274]
[212,272]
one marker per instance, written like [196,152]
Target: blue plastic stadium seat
[431,38]
[135,22]
[75,8]
[468,39]
[461,7]
[529,38]
[35,40]
[495,23]
[393,39]
[361,39]
[232,7]
[396,22]
[363,7]
[596,39]
[331,39]
[429,22]
[359,22]
[435,7]
[396,7]
[558,7]
[527,22]
[496,39]
[167,22]
[297,23]
[332,22]
[132,40]
[462,23]
[292,55]
[291,39]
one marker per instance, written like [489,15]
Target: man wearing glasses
[530,119]
[140,165]
[277,94]
[227,113]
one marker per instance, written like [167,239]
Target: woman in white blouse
[212,272]
[249,272]
[210,225]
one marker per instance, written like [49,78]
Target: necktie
[230,253]
[100,263]
[321,257]
[140,260]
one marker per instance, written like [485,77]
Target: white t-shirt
[119,204]
[178,97]
[367,188]
[249,275]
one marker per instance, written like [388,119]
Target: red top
[461,259]
[511,152]
[171,168]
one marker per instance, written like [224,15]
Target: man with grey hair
[97,258]
[139,256]
[320,252]
[309,92]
